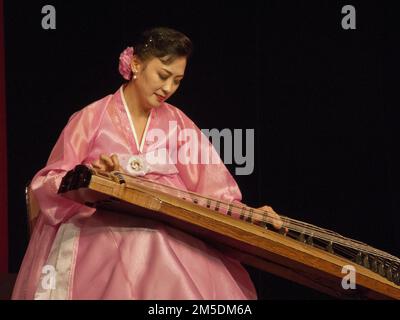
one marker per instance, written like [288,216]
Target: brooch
[136,166]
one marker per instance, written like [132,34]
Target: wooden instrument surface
[296,258]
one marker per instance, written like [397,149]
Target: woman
[76,252]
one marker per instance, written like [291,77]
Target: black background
[322,100]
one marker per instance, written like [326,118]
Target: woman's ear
[135,64]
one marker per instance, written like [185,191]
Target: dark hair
[162,42]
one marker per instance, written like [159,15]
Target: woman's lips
[160,98]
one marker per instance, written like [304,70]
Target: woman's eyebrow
[170,73]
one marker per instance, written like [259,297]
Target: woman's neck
[133,103]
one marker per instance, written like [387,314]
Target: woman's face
[157,81]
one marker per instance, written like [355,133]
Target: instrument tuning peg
[359,258]
[389,273]
[301,237]
[374,265]
[310,240]
[396,278]
[329,247]
[366,262]
[381,269]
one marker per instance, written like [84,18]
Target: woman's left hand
[276,220]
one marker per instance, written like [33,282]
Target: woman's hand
[276,220]
[107,163]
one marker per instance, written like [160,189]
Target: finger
[276,220]
[100,166]
[107,160]
[96,163]
[268,210]
[115,161]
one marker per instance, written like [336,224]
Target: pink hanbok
[95,254]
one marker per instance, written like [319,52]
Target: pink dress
[76,252]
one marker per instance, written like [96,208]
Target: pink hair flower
[125,59]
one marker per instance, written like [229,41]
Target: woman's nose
[167,87]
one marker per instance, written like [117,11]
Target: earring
[134,74]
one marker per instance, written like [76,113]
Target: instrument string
[263,217]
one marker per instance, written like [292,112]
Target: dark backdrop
[322,101]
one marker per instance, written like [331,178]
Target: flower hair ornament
[125,60]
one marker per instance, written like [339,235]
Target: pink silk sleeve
[70,149]
[212,179]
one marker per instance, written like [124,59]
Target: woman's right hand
[107,163]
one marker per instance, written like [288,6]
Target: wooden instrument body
[251,244]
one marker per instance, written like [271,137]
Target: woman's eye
[177,82]
[162,77]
